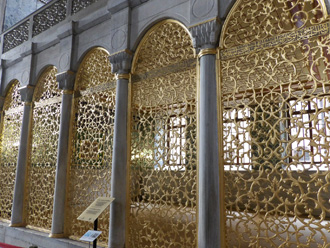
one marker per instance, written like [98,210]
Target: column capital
[26,93]
[66,80]
[121,62]
[206,35]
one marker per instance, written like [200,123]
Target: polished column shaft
[119,168]
[17,218]
[209,202]
[65,80]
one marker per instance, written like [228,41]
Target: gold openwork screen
[90,169]
[41,172]
[275,102]
[163,140]
[11,121]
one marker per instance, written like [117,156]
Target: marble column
[2,14]
[65,83]
[17,218]
[205,38]
[121,64]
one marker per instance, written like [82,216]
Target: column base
[56,235]
[17,225]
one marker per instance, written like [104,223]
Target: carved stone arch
[10,127]
[92,138]
[159,31]
[257,20]
[46,102]
[94,69]
[163,86]
[46,86]
[156,21]
[12,98]
[274,70]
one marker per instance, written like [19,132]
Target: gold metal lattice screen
[276,131]
[41,172]
[163,141]
[90,170]
[10,139]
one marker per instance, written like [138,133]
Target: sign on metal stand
[91,214]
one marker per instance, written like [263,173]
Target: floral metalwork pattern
[275,119]
[257,20]
[11,129]
[90,170]
[41,172]
[78,5]
[163,141]
[54,14]
[16,36]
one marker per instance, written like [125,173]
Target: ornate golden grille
[163,140]
[41,173]
[90,171]
[10,138]
[275,119]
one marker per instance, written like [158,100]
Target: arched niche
[11,121]
[274,97]
[162,173]
[44,143]
[92,141]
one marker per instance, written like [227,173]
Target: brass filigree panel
[276,132]
[10,138]
[256,20]
[95,69]
[163,169]
[41,172]
[90,170]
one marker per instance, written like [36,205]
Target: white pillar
[17,218]
[205,41]
[121,64]
[2,14]
[65,82]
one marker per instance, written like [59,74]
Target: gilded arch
[92,135]
[11,120]
[274,98]
[163,139]
[44,140]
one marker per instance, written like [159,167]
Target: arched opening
[11,121]
[44,141]
[163,167]
[92,141]
[275,99]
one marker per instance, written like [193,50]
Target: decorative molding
[17,225]
[56,235]
[123,76]
[96,89]
[160,72]
[278,40]
[16,36]
[118,39]
[121,62]
[200,8]
[26,93]
[65,80]
[49,17]
[206,34]
[207,51]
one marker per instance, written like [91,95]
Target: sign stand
[95,229]
[91,214]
